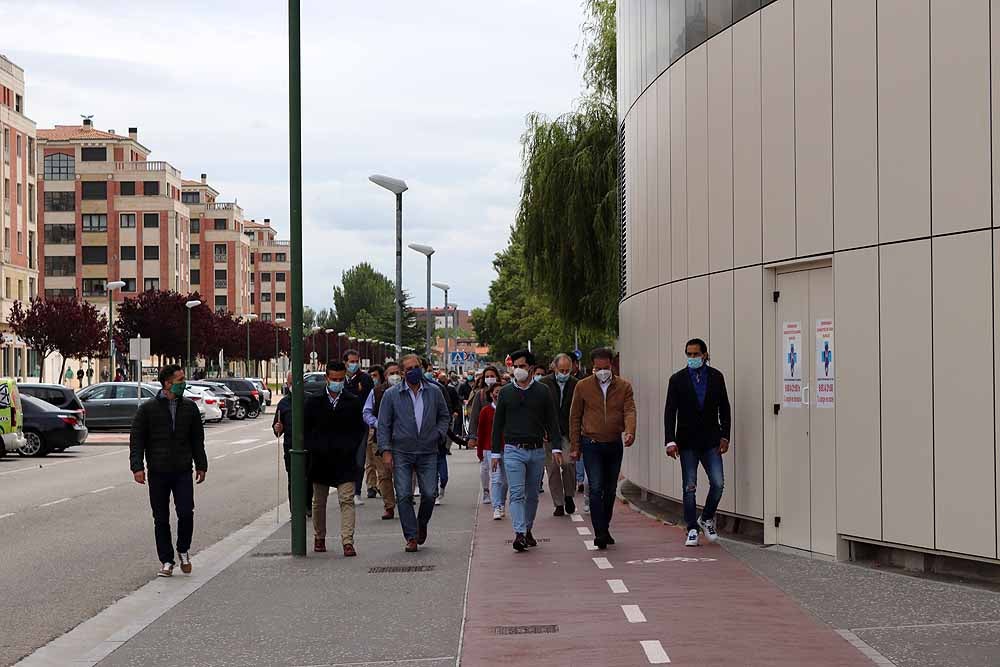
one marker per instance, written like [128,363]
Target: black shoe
[608,538]
[559,511]
[570,505]
[530,540]
[601,542]
[372,492]
[579,488]
[520,543]
[421,534]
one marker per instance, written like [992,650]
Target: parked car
[114,404]
[228,400]
[314,383]
[11,416]
[207,402]
[248,394]
[54,394]
[262,387]
[49,429]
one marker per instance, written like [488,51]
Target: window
[95,254]
[253,257]
[31,202]
[220,304]
[18,103]
[280,257]
[150,252]
[126,188]
[191,197]
[126,253]
[19,198]
[253,300]
[95,222]
[220,224]
[251,279]
[195,251]
[279,277]
[150,220]
[32,289]
[129,284]
[150,284]
[20,241]
[94,189]
[744,8]
[265,277]
[94,286]
[58,167]
[265,298]
[31,156]
[59,234]
[31,253]
[6,288]
[59,201]
[150,188]
[279,297]
[265,257]
[56,267]
[220,252]
[126,220]
[20,290]
[195,276]
[279,316]
[195,226]
[220,279]
[60,294]
[266,317]
[94,154]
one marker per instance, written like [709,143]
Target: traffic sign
[138,349]
[313,356]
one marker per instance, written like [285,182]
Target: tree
[308,318]
[569,212]
[72,328]
[365,306]
[161,316]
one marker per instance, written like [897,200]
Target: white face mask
[521,374]
[603,375]
[490,381]
[394,379]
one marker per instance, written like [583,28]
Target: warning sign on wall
[791,395]
[825,375]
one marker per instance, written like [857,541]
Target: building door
[806,493]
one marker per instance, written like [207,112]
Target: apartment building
[19,252]
[108,213]
[270,261]
[220,250]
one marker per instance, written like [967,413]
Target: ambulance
[11,417]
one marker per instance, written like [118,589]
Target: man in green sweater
[525,418]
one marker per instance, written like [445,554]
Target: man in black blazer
[696,427]
[333,435]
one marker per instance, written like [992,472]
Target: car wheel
[34,445]
[253,413]
[241,411]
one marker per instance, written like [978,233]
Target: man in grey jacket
[413,421]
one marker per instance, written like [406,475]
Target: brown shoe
[411,547]
[319,544]
[388,515]
[349,551]
[185,563]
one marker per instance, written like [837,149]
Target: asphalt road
[76,532]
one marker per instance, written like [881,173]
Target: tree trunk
[62,369]
[41,364]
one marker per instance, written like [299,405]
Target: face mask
[335,387]
[177,388]
[352,367]
[414,376]
[538,377]
[468,378]
[429,376]
[521,374]
[603,375]
[695,363]
[490,381]
[562,378]
[394,379]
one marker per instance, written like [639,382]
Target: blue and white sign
[462,358]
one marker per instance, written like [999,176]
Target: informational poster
[791,334]
[825,375]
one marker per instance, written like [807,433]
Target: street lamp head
[250,316]
[422,249]
[342,333]
[442,286]
[329,331]
[116,284]
[393,185]
[193,303]
[280,320]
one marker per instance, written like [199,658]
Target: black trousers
[161,486]
[309,486]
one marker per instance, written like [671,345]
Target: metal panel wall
[679,335]
[748,384]
[746,142]
[663,245]
[678,172]
[722,349]
[697,160]
[720,152]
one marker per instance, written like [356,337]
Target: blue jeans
[603,461]
[498,485]
[442,467]
[711,461]
[404,464]
[524,473]
[580,472]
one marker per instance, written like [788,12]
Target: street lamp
[397,187]
[313,356]
[249,316]
[111,287]
[444,287]
[328,332]
[190,305]
[340,349]
[428,251]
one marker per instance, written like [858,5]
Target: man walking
[167,434]
[333,437]
[562,478]
[381,473]
[696,423]
[601,421]
[525,417]
[282,425]
[360,384]
[412,424]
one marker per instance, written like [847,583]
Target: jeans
[484,473]
[404,465]
[525,468]
[181,485]
[580,471]
[442,469]
[498,483]
[711,461]
[603,461]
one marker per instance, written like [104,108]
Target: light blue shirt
[368,412]
[418,404]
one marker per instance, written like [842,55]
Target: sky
[434,92]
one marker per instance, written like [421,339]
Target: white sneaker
[692,539]
[441,493]
[586,505]
[486,497]
[437,501]
[708,527]
[503,511]
[497,514]
[358,500]
[166,571]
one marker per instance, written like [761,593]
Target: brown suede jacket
[602,420]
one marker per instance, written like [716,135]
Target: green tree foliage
[364,305]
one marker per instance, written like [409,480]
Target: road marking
[220,456]
[250,449]
[245,441]
[4,516]
[59,463]
[617,586]
[633,613]
[603,563]
[583,530]
[654,652]
[55,502]
[107,488]
[590,545]
[576,517]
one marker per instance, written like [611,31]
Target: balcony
[148,166]
[272,244]
[223,206]
[221,258]
[221,284]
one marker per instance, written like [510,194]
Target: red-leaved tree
[72,328]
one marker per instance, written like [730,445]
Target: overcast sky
[433,92]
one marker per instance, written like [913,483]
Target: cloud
[434,92]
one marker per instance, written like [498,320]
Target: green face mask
[177,388]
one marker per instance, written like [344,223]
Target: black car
[231,401]
[56,394]
[48,428]
[314,384]
[248,394]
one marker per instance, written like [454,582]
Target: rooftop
[69,132]
[12,69]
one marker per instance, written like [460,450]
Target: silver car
[114,404]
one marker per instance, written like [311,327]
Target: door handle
[107,405]
[805,396]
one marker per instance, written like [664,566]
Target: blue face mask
[352,367]
[414,376]
[562,378]
[335,387]
[695,363]
[429,376]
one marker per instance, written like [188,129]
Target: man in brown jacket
[601,421]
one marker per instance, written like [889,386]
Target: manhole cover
[525,629]
[400,569]
[278,554]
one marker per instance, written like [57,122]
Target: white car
[207,402]
[265,392]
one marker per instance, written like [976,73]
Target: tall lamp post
[444,287]
[190,305]
[315,330]
[427,251]
[340,348]
[397,187]
[327,334]
[249,316]
[277,350]
[110,288]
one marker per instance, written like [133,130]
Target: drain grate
[278,554]
[400,569]
[503,630]
[537,539]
